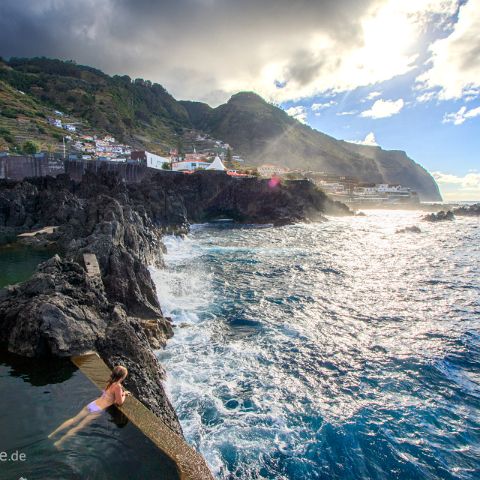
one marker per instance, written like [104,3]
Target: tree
[228,159]
[30,148]
[292,176]
[3,145]
[180,150]
[49,147]
[166,166]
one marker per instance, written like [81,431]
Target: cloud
[369,140]
[457,118]
[373,95]
[316,107]
[208,49]
[454,63]
[384,108]
[454,187]
[427,97]
[299,113]
[348,112]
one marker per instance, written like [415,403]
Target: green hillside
[136,112]
[24,119]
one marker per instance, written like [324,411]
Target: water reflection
[18,262]
[38,372]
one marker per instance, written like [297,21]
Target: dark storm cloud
[304,67]
[196,48]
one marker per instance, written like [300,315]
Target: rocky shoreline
[448,215]
[62,310]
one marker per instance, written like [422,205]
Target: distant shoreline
[424,207]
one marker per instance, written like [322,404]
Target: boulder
[439,217]
[412,229]
[468,210]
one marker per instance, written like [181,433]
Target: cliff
[63,310]
[396,167]
[264,133]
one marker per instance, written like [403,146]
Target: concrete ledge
[91,264]
[41,231]
[190,464]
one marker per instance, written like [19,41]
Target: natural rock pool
[18,262]
[36,397]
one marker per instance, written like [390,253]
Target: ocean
[327,350]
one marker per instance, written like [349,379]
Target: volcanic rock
[439,217]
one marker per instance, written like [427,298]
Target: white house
[386,188]
[56,122]
[269,169]
[372,190]
[149,159]
[332,187]
[189,166]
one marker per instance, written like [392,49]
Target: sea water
[328,350]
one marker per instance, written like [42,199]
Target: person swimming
[113,394]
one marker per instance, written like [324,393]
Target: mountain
[135,111]
[144,115]
[264,133]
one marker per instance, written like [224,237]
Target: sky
[402,74]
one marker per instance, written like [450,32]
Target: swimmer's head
[119,373]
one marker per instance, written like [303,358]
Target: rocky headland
[463,211]
[64,310]
[468,210]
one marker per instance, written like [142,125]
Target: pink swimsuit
[94,408]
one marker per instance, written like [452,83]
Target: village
[212,154]
[197,152]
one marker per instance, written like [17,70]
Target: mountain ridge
[269,135]
[145,115]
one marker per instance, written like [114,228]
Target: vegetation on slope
[23,123]
[134,111]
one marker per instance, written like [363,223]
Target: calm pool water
[18,262]
[37,396]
